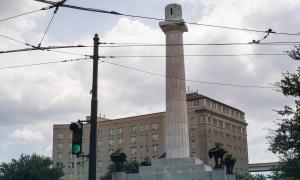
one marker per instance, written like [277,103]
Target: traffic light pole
[94,106]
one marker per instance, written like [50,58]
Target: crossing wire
[162,19]
[42,63]
[189,80]
[26,13]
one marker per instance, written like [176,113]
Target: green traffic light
[76,149]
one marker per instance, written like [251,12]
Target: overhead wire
[139,70]
[26,13]
[50,22]
[37,48]
[106,45]
[188,80]
[42,63]
[162,19]
[198,55]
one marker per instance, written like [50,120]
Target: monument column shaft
[177,137]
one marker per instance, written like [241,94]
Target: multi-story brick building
[210,122]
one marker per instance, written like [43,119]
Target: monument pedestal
[119,176]
[176,169]
[230,177]
[219,173]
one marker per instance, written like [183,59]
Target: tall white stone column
[177,137]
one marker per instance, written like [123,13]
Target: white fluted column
[177,137]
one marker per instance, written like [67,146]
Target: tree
[31,167]
[251,177]
[229,162]
[131,167]
[217,153]
[146,161]
[285,140]
[118,158]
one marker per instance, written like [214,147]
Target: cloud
[25,135]
[60,93]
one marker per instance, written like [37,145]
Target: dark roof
[194,96]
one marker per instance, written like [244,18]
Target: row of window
[219,135]
[218,107]
[133,129]
[226,125]
[133,139]
[143,149]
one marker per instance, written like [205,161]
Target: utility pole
[94,106]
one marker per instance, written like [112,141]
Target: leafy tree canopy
[285,140]
[31,167]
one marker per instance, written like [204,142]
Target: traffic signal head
[76,128]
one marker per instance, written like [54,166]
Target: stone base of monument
[178,169]
[118,176]
[230,177]
[219,173]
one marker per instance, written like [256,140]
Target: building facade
[209,121]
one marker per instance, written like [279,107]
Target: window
[193,154]
[193,144]
[155,137]
[154,147]
[142,128]
[70,155]
[133,128]
[155,126]
[220,123]
[146,127]
[196,102]
[99,143]
[111,141]
[60,146]
[192,132]
[71,165]
[99,133]
[120,130]
[60,155]
[133,139]
[146,137]
[227,126]
[111,131]
[60,135]
[215,122]
[133,150]
[120,141]
[142,149]
[142,138]
[98,164]
[70,175]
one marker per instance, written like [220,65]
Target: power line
[202,55]
[195,81]
[49,48]
[49,24]
[42,63]
[26,13]
[197,44]
[41,48]
[162,19]
[18,41]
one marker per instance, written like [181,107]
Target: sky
[32,99]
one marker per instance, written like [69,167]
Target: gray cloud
[59,93]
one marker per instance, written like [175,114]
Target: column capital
[173,26]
